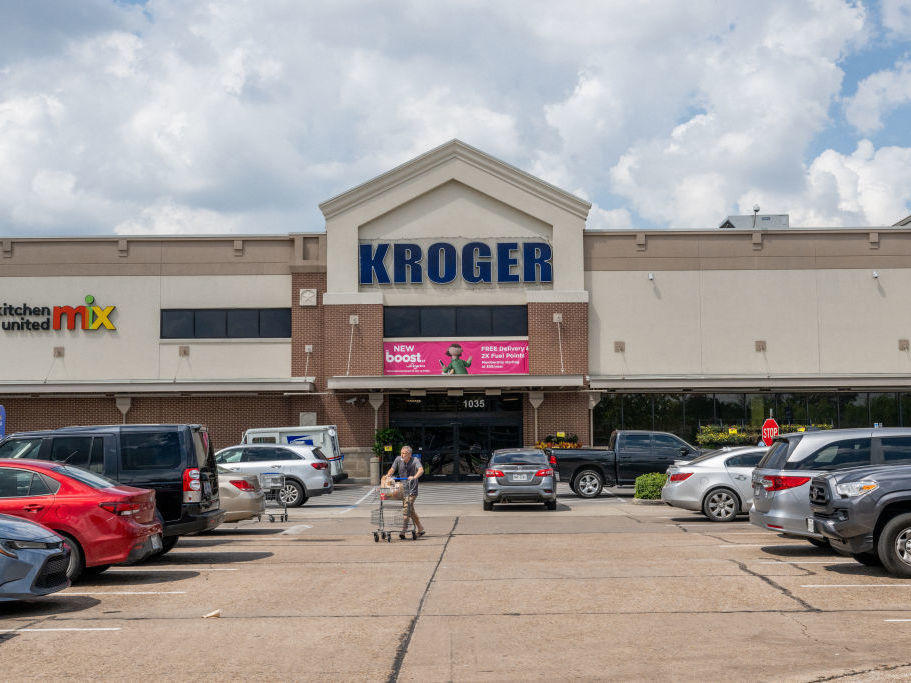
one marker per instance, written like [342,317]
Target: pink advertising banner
[455,358]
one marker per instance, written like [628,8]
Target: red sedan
[104,522]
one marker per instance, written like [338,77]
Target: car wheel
[292,494]
[894,546]
[77,558]
[820,542]
[720,505]
[589,484]
[868,559]
[488,506]
[551,505]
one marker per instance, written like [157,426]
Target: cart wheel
[388,538]
[414,535]
[271,518]
[376,537]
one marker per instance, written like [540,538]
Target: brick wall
[562,411]
[366,343]
[544,342]
[307,328]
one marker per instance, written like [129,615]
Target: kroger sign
[384,263]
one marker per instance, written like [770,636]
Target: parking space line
[807,562]
[126,593]
[740,545]
[139,570]
[894,621]
[360,500]
[54,630]
[857,585]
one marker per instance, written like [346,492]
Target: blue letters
[506,262]
[407,255]
[473,269]
[537,254]
[372,263]
[448,253]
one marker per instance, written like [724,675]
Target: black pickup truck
[629,454]
[866,512]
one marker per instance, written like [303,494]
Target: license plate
[520,477]
[811,525]
[207,489]
[156,541]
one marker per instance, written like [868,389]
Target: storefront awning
[150,387]
[697,383]
[456,382]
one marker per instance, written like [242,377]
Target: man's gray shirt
[402,469]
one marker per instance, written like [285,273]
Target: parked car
[102,522]
[240,494]
[305,468]
[629,454]
[781,480]
[718,483]
[324,437]
[33,560]
[521,475]
[174,460]
[866,511]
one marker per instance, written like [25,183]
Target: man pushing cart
[409,469]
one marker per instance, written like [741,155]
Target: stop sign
[769,431]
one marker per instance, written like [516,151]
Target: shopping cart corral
[388,519]
[274,491]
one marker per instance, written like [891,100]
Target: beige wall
[133,350]
[815,322]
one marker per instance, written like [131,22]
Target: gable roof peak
[453,149]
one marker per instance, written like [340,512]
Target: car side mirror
[684,451]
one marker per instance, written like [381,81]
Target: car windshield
[20,448]
[96,481]
[519,459]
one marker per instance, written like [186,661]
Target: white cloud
[877,95]
[224,116]
[896,17]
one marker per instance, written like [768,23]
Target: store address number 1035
[474,403]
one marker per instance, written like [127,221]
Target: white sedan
[305,468]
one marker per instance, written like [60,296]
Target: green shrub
[391,437]
[714,436]
[648,486]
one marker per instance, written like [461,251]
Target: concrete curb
[643,501]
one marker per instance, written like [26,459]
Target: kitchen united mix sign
[88,317]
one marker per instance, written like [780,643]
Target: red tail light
[777,482]
[191,486]
[553,459]
[122,509]
[319,465]
[680,476]
[243,485]
[544,473]
[493,474]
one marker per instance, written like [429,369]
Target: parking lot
[598,589]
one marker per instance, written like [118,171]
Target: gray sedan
[521,475]
[717,484]
[33,560]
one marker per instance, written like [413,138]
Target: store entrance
[454,436]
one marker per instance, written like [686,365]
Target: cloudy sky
[171,116]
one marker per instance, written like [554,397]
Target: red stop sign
[769,431]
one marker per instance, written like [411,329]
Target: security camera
[875,275]
[651,276]
[351,400]
[755,208]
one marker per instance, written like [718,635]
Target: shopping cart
[272,484]
[386,520]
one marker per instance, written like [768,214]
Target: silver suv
[781,480]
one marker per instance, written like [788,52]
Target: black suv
[866,512]
[177,461]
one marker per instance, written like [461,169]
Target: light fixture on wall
[904,345]
[760,346]
[619,347]
[58,352]
[651,277]
[875,274]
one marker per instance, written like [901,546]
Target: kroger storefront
[463,303]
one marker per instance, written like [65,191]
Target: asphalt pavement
[598,589]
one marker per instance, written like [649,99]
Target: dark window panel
[729,409]
[509,321]
[792,409]
[606,418]
[438,321]
[243,323]
[852,410]
[176,324]
[669,413]
[758,408]
[275,323]
[637,411]
[474,321]
[884,409]
[401,321]
[209,323]
[822,409]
